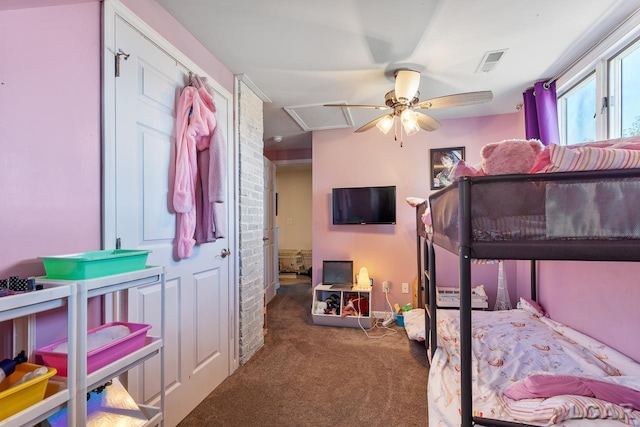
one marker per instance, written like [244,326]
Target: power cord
[377,324]
[388,317]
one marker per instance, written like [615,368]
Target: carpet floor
[308,375]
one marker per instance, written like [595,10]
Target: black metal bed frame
[625,250]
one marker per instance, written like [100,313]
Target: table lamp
[363,280]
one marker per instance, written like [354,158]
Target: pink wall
[49,139]
[342,158]
[49,134]
[600,299]
[280,155]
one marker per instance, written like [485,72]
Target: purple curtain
[541,113]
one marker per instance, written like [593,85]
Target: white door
[269,237]
[198,313]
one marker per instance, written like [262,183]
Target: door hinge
[118,243]
[119,54]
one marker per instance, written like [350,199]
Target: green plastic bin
[88,265]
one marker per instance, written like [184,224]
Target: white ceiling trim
[251,85]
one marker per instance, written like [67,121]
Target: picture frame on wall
[443,162]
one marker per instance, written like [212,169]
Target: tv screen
[364,205]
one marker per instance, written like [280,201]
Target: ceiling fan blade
[427,123]
[369,125]
[373,107]
[457,100]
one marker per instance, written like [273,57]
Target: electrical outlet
[385,286]
[405,288]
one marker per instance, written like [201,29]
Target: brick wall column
[251,218]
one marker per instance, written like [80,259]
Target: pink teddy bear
[511,156]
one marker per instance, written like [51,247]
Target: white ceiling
[307,53]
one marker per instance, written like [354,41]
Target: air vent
[318,117]
[490,60]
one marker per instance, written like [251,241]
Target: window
[624,71]
[577,111]
[599,95]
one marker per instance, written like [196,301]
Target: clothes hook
[120,54]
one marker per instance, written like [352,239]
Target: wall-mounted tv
[364,205]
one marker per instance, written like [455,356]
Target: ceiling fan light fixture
[411,129]
[404,103]
[409,120]
[385,124]
[407,84]
[408,117]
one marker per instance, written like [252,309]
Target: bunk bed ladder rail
[464,283]
[430,320]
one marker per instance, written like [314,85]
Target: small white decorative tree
[502,299]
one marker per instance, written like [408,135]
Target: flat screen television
[364,205]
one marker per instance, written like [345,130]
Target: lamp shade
[409,120]
[363,279]
[385,123]
[407,84]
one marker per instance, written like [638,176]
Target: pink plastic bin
[101,356]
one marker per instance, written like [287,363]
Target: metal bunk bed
[453,211]
[426,279]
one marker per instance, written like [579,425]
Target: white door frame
[111,9]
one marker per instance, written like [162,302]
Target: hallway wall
[293,219]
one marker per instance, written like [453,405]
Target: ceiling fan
[404,102]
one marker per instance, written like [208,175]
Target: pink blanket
[545,386]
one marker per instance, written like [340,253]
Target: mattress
[507,347]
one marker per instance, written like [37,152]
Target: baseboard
[382,314]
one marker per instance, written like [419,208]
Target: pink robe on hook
[195,123]
[210,184]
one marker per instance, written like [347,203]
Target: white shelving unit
[71,392]
[23,307]
[322,292]
[153,346]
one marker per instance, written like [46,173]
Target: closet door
[199,345]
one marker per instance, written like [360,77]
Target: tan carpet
[307,375]
[293,279]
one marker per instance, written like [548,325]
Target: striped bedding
[507,346]
[590,158]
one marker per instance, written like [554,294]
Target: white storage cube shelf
[322,292]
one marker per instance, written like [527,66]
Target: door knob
[225,253]
[264,239]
